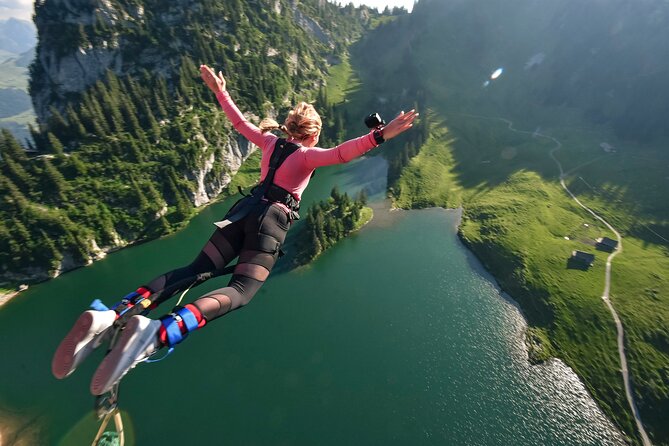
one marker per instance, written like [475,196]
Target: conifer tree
[56,123]
[110,106]
[16,173]
[55,181]
[130,147]
[101,126]
[76,129]
[13,199]
[141,198]
[55,146]
[48,248]
[362,197]
[10,147]
[5,237]
[21,236]
[129,113]
[78,166]
[151,121]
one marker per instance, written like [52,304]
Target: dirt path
[607,279]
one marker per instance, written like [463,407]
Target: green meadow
[523,227]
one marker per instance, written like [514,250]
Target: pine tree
[183,208]
[10,147]
[55,181]
[48,248]
[77,132]
[55,146]
[129,113]
[78,167]
[21,236]
[362,197]
[111,107]
[130,147]
[16,173]
[13,199]
[56,123]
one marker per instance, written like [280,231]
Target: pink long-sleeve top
[295,172]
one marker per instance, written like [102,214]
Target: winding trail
[607,280]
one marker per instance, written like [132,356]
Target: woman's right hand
[403,122]
[215,83]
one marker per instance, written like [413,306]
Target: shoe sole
[103,378]
[63,359]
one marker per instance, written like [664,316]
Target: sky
[19,9]
[23,9]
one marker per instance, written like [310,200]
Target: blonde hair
[302,121]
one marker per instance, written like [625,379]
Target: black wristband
[378,136]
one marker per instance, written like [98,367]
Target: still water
[394,337]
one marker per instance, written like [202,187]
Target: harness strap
[266,189]
[282,150]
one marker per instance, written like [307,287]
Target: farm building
[582,258]
[607,244]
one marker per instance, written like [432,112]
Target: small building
[607,244]
[582,258]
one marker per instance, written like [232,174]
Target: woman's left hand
[403,122]
[215,83]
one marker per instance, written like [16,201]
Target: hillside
[581,73]
[16,36]
[16,109]
[129,141]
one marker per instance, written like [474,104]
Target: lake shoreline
[488,273]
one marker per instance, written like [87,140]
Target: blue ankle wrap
[171,324]
[172,329]
[190,321]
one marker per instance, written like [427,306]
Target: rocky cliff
[129,139]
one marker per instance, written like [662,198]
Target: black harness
[266,190]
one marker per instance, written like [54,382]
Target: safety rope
[184,293]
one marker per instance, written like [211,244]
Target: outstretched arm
[216,84]
[345,152]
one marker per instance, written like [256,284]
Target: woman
[253,230]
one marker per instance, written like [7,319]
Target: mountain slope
[129,139]
[17,36]
[517,218]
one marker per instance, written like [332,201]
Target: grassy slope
[12,76]
[516,218]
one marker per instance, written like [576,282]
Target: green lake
[394,337]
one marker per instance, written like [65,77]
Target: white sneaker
[87,333]
[138,341]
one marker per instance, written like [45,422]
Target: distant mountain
[17,36]
[16,109]
[25,58]
[13,101]
[4,55]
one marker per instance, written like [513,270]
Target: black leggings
[256,239]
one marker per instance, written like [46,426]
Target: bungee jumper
[252,231]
